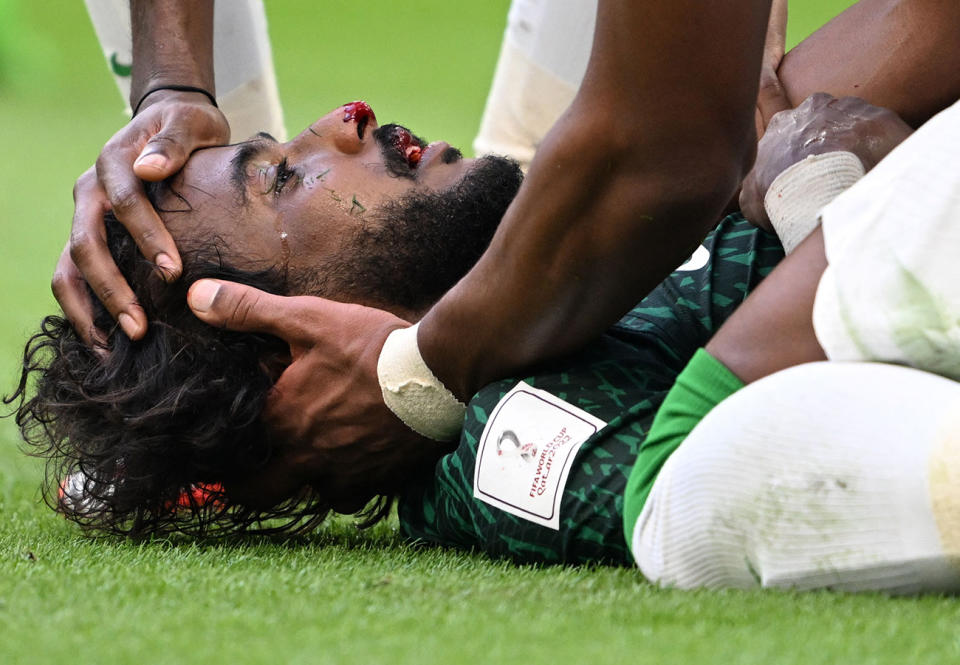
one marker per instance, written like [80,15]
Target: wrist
[796,196]
[162,92]
[413,393]
[185,78]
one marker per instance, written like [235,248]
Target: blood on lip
[405,145]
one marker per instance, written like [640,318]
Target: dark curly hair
[151,434]
[143,424]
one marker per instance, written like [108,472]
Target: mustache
[386,135]
[392,139]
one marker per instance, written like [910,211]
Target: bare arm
[621,190]
[773,329]
[172,45]
[900,54]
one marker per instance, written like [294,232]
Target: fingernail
[129,325]
[202,295]
[168,269]
[153,160]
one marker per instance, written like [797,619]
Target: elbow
[699,154]
[664,164]
[694,176]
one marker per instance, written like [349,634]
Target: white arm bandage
[413,393]
[796,196]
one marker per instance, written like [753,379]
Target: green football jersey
[621,378]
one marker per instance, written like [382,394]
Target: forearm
[773,329]
[900,54]
[172,45]
[621,190]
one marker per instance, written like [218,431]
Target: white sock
[544,55]
[243,61]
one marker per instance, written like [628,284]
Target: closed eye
[284,175]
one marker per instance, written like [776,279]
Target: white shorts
[891,292]
[826,475]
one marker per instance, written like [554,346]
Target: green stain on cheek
[357,208]
[321,176]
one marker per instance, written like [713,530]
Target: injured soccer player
[164,434]
[541,470]
[347,210]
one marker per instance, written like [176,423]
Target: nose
[347,128]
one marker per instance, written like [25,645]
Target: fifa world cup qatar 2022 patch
[526,451]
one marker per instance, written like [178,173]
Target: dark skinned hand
[821,124]
[153,146]
[339,437]
[771,97]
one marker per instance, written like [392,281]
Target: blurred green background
[427,63]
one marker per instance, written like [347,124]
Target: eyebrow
[245,153]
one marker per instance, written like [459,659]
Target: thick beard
[417,247]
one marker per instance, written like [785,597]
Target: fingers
[751,202]
[301,321]
[163,156]
[771,96]
[776,41]
[89,260]
[69,288]
[239,307]
[182,129]
[131,207]
[157,143]
[153,146]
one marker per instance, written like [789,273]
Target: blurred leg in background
[544,55]
[542,60]
[246,82]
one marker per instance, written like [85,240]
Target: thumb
[239,307]
[771,97]
[751,202]
[164,154]
[775,43]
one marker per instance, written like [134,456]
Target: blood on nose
[361,113]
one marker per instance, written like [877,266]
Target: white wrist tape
[413,393]
[797,195]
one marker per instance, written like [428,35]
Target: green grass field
[339,596]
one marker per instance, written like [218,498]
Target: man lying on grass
[163,434]
[346,210]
